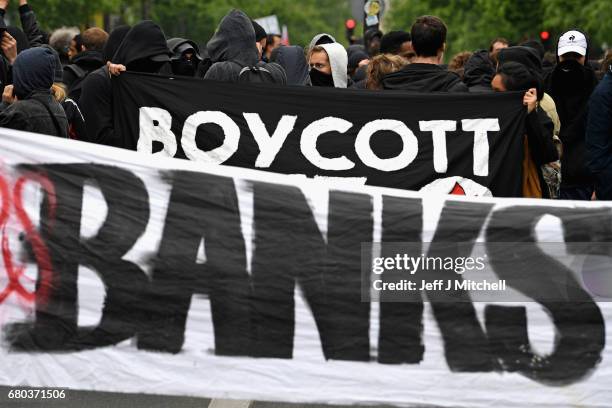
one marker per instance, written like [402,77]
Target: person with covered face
[571,84]
[233,51]
[143,49]
[185,57]
[328,65]
[28,103]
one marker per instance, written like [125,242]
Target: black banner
[390,139]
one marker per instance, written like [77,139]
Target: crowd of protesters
[61,84]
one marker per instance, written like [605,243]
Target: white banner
[171,277]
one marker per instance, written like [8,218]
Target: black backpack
[80,74]
[256,75]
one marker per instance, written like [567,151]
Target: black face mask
[184,67]
[319,78]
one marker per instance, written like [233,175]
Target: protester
[397,43]
[570,85]
[273,41]
[538,147]
[185,58]
[76,46]
[144,49]
[425,74]
[496,46]
[372,39]
[59,90]
[531,60]
[458,62]
[382,65]
[28,104]
[91,45]
[599,137]
[60,41]
[357,58]
[479,72]
[261,38]
[234,54]
[293,61]
[328,65]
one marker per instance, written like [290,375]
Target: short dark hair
[517,77]
[391,43]
[428,35]
[94,39]
[270,40]
[498,40]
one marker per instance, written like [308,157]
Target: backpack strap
[254,69]
[79,72]
[58,128]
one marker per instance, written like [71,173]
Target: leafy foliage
[473,24]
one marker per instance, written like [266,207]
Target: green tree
[473,24]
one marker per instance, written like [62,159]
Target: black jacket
[539,129]
[143,40]
[294,63]
[424,78]
[81,65]
[30,26]
[34,114]
[599,137]
[570,85]
[233,48]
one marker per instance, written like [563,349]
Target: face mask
[319,78]
[183,67]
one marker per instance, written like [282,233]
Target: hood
[292,59]
[58,70]
[355,56]
[114,41]
[234,40]
[421,77]
[321,39]
[178,46]
[479,70]
[19,36]
[33,71]
[338,59]
[524,55]
[144,41]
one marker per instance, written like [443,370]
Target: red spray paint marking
[41,253]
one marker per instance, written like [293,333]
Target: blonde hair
[382,65]
[59,92]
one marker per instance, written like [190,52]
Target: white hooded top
[338,59]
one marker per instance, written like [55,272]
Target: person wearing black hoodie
[28,103]
[571,84]
[143,49]
[233,48]
[479,72]
[425,74]
[292,59]
[185,58]
[85,62]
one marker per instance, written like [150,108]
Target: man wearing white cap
[570,85]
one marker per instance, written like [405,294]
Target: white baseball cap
[572,41]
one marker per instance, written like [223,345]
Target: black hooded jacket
[35,110]
[479,72]
[233,48]
[424,78]
[82,65]
[292,59]
[144,40]
[570,85]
